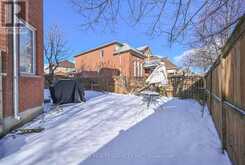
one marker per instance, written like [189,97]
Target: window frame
[102,53]
[141,69]
[138,69]
[135,68]
[34,43]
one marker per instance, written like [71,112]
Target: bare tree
[200,58]
[211,31]
[215,25]
[173,18]
[55,50]
[204,25]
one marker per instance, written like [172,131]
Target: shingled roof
[168,63]
[155,60]
[66,64]
[142,48]
[126,47]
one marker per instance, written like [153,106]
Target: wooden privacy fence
[225,86]
[191,86]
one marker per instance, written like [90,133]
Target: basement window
[27,49]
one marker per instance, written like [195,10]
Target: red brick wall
[31,92]
[34,83]
[5,46]
[131,69]
[90,62]
[31,86]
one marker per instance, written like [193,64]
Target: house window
[116,48]
[141,70]
[138,69]
[147,71]
[27,52]
[135,69]
[101,54]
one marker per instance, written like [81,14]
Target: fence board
[226,92]
[242,70]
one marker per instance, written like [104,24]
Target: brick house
[153,61]
[117,59]
[65,68]
[170,66]
[21,97]
[111,59]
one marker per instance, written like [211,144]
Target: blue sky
[63,14]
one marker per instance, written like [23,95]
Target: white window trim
[138,69]
[135,69]
[102,54]
[141,70]
[33,29]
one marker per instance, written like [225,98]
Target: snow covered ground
[113,129]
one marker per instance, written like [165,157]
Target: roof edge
[98,47]
[130,50]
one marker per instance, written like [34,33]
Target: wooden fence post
[223,123]
[91,85]
[210,92]
[223,111]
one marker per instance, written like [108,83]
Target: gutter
[15,67]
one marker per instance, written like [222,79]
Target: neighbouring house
[170,66]
[116,59]
[153,61]
[111,59]
[65,68]
[21,45]
[146,51]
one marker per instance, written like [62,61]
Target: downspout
[15,68]
[1,91]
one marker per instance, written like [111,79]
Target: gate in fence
[191,86]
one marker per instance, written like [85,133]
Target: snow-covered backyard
[113,129]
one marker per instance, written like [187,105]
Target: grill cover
[67,91]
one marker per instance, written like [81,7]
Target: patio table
[149,96]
